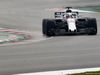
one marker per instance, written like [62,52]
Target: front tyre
[48,27]
[44,22]
[92,25]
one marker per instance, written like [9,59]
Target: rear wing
[59,14]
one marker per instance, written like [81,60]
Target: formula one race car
[70,22]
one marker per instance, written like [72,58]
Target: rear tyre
[92,25]
[48,27]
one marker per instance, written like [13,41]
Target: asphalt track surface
[57,53]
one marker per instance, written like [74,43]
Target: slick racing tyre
[44,22]
[92,25]
[48,27]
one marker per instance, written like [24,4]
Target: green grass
[87,73]
[97,10]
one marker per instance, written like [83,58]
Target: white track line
[62,72]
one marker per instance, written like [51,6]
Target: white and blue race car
[70,22]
